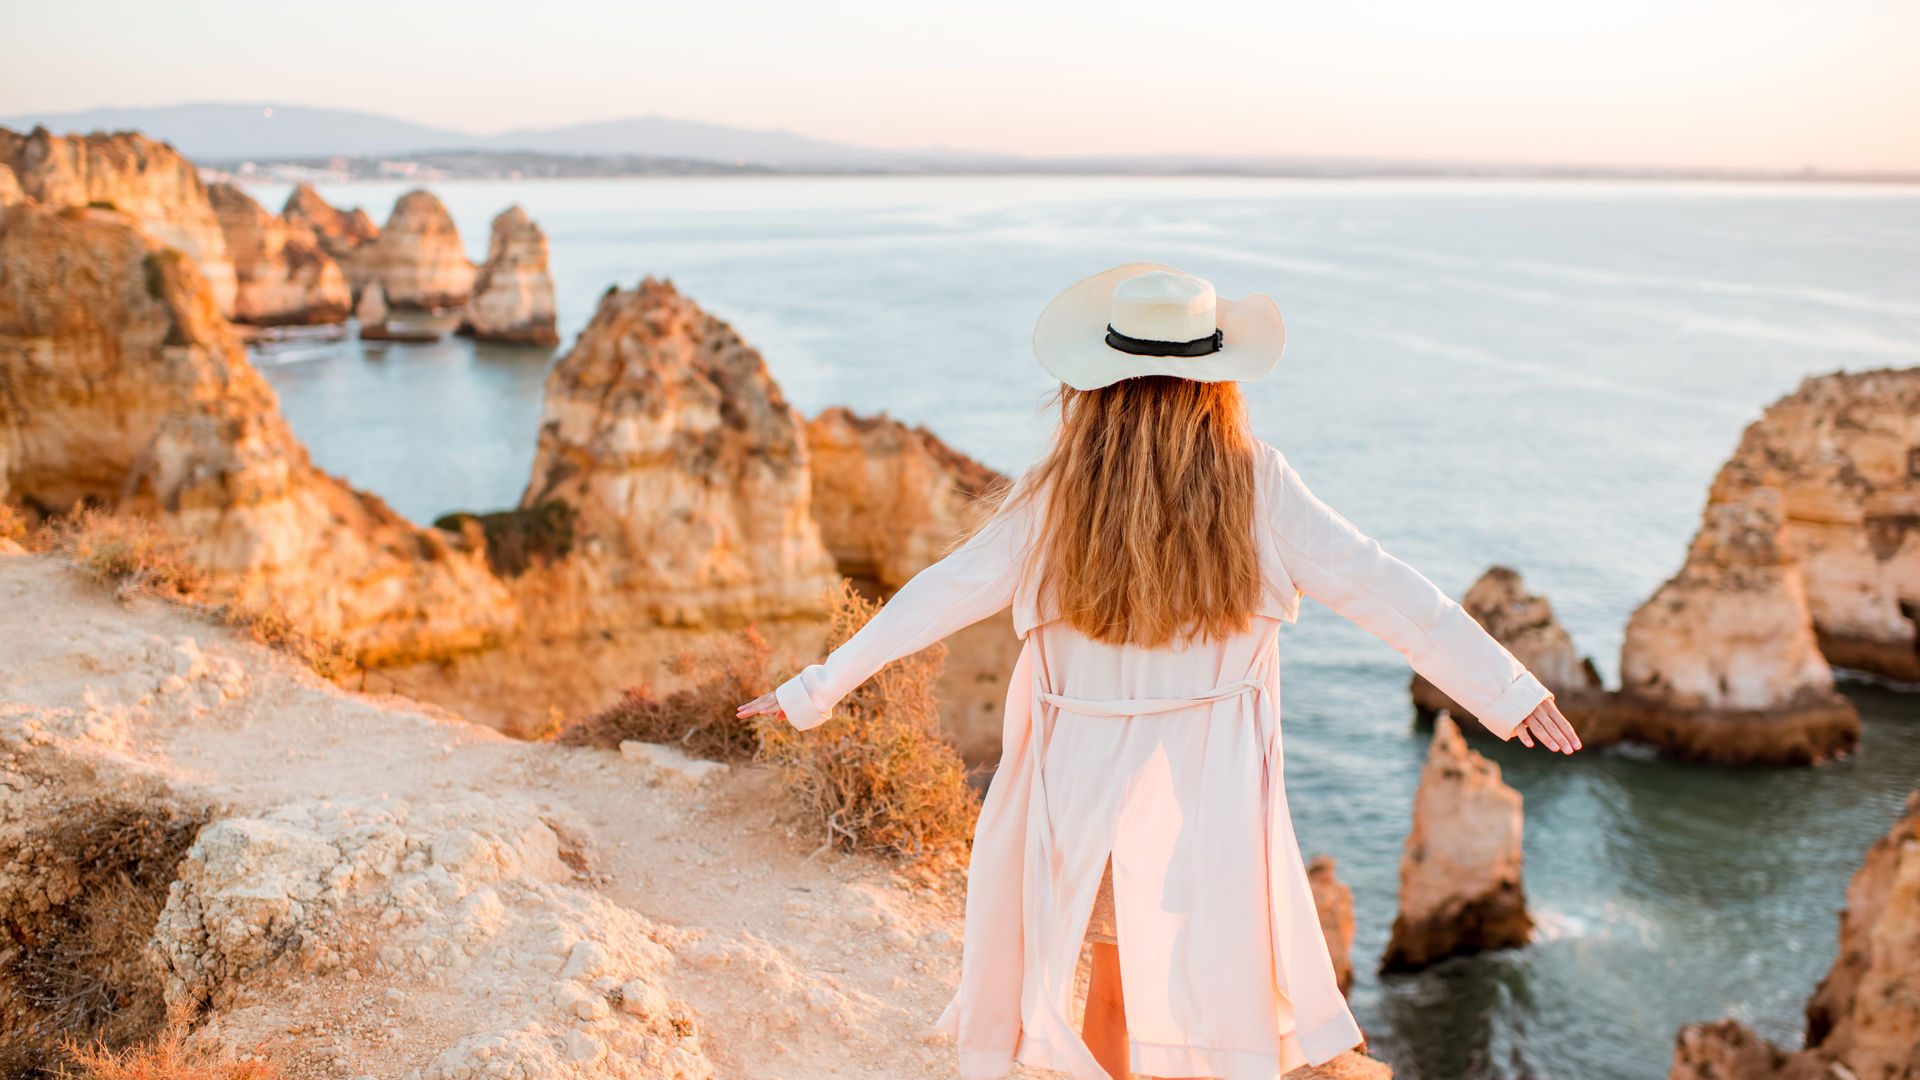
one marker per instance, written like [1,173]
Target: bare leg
[1105,1025]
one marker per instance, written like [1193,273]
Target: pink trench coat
[1169,759]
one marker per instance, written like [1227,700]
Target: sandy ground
[794,963]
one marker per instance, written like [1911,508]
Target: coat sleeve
[977,580]
[1335,563]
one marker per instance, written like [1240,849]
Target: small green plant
[515,538]
[101,204]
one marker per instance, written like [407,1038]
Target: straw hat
[1149,319]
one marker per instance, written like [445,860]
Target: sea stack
[339,233]
[283,279]
[146,180]
[891,500]
[1460,889]
[418,260]
[1864,1019]
[135,395]
[372,314]
[513,292]
[684,474]
[1333,901]
[1526,625]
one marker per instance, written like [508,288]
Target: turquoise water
[1544,375]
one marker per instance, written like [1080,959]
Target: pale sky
[1734,83]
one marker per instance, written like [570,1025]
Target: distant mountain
[215,132]
[656,136]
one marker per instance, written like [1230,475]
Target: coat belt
[1148,706]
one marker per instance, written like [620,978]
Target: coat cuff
[797,699]
[1503,715]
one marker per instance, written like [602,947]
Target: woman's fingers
[1543,730]
[1564,727]
[1526,737]
[760,706]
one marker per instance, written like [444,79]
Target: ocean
[1544,375]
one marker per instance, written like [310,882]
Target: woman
[1150,559]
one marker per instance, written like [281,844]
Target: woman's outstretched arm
[975,581]
[1335,563]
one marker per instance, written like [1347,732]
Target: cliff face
[1460,889]
[513,292]
[339,233]
[1844,453]
[282,277]
[890,500]
[685,474]
[1864,1020]
[127,389]
[139,177]
[1526,625]
[418,259]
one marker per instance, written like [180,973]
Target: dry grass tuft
[699,719]
[880,775]
[126,554]
[13,525]
[267,624]
[77,969]
[166,1058]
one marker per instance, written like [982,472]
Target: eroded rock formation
[10,192]
[128,390]
[372,314]
[1460,888]
[283,279]
[339,233]
[1333,901]
[135,175]
[890,500]
[685,472]
[513,292]
[417,260]
[1525,624]
[1864,1019]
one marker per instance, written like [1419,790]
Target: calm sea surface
[1541,375]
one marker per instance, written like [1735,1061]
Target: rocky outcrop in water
[372,314]
[127,389]
[135,175]
[513,292]
[1460,889]
[339,233]
[417,260]
[1722,661]
[282,278]
[1333,902]
[1525,624]
[685,476]
[1864,1019]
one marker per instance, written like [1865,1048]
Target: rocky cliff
[1526,625]
[890,500]
[684,472]
[282,277]
[128,390]
[1864,1019]
[131,173]
[513,292]
[339,233]
[1460,889]
[417,259]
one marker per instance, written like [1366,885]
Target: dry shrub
[127,554]
[13,525]
[271,626]
[699,719]
[78,969]
[166,1058]
[880,775]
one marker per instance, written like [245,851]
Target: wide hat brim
[1071,338]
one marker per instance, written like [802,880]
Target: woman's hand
[1548,725]
[764,705]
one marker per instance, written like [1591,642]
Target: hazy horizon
[1709,84]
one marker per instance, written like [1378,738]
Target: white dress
[1168,761]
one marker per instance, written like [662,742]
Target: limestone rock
[685,472]
[1333,901]
[417,259]
[339,233]
[1352,1065]
[1864,1019]
[891,500]
[513,293]
[1525,624]
[667,766]
[1727,644]
[1460,889]
[372,314]
[10,192]
[283,279]
[1844,452]
[127,389]
[146,180]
